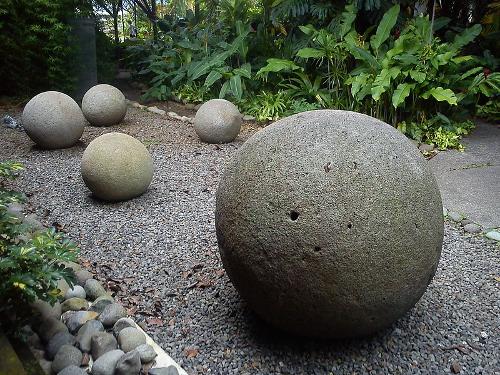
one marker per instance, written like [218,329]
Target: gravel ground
[159,253]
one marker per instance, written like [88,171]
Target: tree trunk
[197,11]
[115,25]
[154,19]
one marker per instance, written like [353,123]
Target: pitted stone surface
[53,120]
[329,223]
[116,166]
[217,121]
[104,105]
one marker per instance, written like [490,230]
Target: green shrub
[490,110]
[35,45]
[30,261]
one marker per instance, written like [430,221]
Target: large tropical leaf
[308,53]
[236,87]
[212,77]
[401,93]
[348,18]
[466,36]
[277,65]
[441,95]
[384,28]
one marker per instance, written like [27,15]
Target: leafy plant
[192,93]
[490,110]
[439,130]
[267,106]
[30,261]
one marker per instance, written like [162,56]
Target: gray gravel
[161,251]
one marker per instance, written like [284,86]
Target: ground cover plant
[31,261]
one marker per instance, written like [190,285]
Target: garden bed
[159,255]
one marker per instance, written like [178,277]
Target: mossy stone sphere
[53,120]
[116,167]
[329,224]
[217,121]
[104,105]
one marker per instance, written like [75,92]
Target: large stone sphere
[53,120]
[104,105]
[217,121]
[329,224]
[116,167]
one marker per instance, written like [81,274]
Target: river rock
[82,276]
[146,353]
[77,291]
[102,342]
[84,336]
[58,340]
[66,356]
[72,370]
[74,304]
[94,289]
[122,323]
[129,364]
[111,314]
[106,364]
[75,319]
[130,338]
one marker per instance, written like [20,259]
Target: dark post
[83,35]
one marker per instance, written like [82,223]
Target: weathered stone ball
[104,105]
[217,121]
[53,120]
[116,167]
[329,224]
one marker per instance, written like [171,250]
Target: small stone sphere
[53,120]
[329,224]
[116,167]
[217,121]
[104,105]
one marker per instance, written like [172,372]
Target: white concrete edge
[163,359]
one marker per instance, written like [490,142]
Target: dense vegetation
[402,64]
[31,261]
[425,67]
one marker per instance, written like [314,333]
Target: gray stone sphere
[116,167]
[217,121]
[53,120]
[329,224]
[104,105]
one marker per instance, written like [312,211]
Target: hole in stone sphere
[349,225]
[317,248]
[416,226]
[294,215]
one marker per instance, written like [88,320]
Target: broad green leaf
[364,55]
[441,95]
[245,71]
[471,72]
[384,28]
[461,59]
[377,92]
[348,18]
[466,36]
[224,90]
[277,65]
[401,93]
[417,76]
[307,53]
[212,77]
[307,29]
[236,88]
[358,82]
